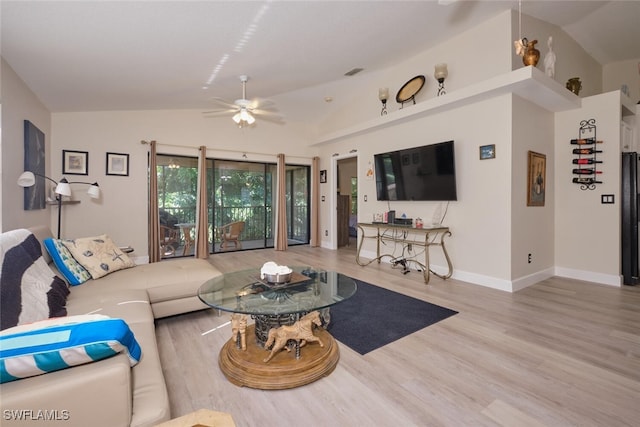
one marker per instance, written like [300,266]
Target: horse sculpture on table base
[301,331]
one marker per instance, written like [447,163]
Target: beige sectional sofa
[109,392]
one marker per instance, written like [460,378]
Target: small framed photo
[323,176]
[487,151]
[75,162]
[118,164]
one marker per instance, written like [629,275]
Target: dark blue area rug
[375,317]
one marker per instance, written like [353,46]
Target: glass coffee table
[309,293]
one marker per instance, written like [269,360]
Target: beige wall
[620,73]
[587,242]
[19,104]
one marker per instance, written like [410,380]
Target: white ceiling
[114,55]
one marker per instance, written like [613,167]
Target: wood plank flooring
[559,353]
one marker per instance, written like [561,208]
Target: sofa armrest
[95,394]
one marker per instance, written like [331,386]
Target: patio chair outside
[230,233]
[169,238]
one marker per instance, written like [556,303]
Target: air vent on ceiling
[353,72]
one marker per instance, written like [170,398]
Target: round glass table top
[245,292]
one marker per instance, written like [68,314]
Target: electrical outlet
[326,233]
[529,259]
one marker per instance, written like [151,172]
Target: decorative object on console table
[75,162]
[117,164]
[586,159]
[536,181]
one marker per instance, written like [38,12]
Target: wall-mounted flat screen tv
[420,173]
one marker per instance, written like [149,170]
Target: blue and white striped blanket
[56,344]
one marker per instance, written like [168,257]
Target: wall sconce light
[383,95]
[440,74]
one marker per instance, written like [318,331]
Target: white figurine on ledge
[550,60]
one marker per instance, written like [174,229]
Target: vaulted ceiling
[123,55]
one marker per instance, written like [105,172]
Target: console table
[405,235]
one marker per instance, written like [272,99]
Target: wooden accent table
[272,306]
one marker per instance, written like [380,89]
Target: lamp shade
[94,190]
[63,188]
[441,72]
[26,179]
[383,93]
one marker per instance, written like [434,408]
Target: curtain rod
[244,153]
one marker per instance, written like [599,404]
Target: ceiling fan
[243,111]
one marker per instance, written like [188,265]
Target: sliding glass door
[241,204]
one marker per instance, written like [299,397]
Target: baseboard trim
[589,276]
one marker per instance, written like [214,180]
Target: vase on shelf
[531,54]
[574,85]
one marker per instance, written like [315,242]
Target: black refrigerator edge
[629,207]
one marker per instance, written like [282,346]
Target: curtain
[154,215]
[281,206]
[202,217]
[315,202]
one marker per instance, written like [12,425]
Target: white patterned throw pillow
[98,255]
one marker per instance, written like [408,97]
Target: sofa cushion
[29,290]
[73,272]
[98,255]
[55,344]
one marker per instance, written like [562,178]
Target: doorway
[347,201]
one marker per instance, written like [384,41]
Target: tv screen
[420,173]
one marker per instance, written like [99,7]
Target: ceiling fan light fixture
[244,116]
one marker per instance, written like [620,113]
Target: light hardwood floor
[559,353]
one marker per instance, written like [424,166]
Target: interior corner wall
[616,74]
[19,103]
[587,238]
[532,227]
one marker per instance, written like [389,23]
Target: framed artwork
[536,178]
[75,162]
[487,151]
[118,164]
[34,196]
[323,176]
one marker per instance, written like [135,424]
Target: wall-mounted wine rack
[586,150]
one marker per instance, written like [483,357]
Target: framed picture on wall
[487,151]
[34,196]
[118,164]
[75,162]
[536,178]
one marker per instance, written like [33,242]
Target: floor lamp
[63,188]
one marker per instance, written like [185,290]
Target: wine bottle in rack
[585,161]
[585,141]
[586,151]
[586,181]
[585,171]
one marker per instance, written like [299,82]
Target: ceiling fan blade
[223,102]
[260,103]
[220,113]
[272,118]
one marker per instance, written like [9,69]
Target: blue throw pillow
[55,344]
[73,272]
